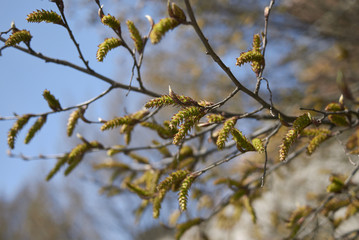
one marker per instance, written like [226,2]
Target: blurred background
[311,44]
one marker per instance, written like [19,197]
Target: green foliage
[172,99]
[72,121]
[297,218]
[60,162]
[53,103]
[184,114]
[126,123]
[35,128]
[176,12]
[106,46]
[258,145]
[161,28]
[77,154]
[334,205]
[163,187]
[339,120]
[320,136]
[111,165]
[191,113]
[139,191]
[18,37]
[253,56]
[299,124]
[18,125]
[337,183]
[177,16]
[224,132]
[243,144]
[353,142]
[164,131]
[111,22]
[288,140]
[138,158]
[126,120]
[183,191]
[135,35]
[249,207]
[185,127]
[116,122]
[215,118]
[172,180]
[45,16]
[183,227]
[302,122]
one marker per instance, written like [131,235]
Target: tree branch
[85,70]
[226,69]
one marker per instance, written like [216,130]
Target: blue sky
[23,80]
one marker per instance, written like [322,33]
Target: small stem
[266,152]
[85,70]
[267,11]
[74,40]
[226,69]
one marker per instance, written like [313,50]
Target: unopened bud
[341,100]
[149,18]
[266,12]
[176,12]
[13,27]
[100,12]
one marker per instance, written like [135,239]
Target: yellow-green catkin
[45,16]
[161,28]
[72,121]
[286,144]
[183,191]
[224,132]
[53,103]
[106,46]
[111,22]
[135,35]
[18,37]
[35,128]
[18,125]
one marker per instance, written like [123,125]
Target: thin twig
[347,235]
[224,160]
[226,69]
[67,26]
[136,64]
[226,201]
[84,70]
[221,103]
[267,11]
[84,104]
[290,158]
[345,152]
[266,152]
[31,158]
